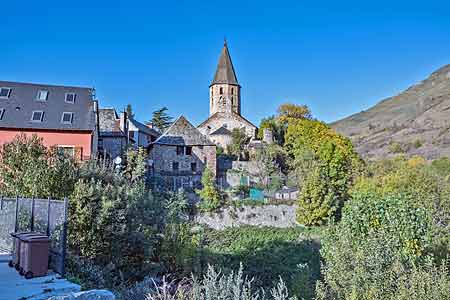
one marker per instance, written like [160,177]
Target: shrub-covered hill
[414,122]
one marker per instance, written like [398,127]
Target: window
[221,91]
[194,167]
[188,150]
[70,97]
[42,95]
[175,166]
[67,118]
[232,91]
[66,151]
[2,112]
[37,116]
[5,92]
[180,150]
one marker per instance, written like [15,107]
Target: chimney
[268,136]
[124,123]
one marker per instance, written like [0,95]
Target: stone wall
[280,216]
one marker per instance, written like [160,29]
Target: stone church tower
[225,91]
[225,105]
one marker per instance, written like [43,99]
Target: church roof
[225,70]
[183,133]
[221,131]
[232,114]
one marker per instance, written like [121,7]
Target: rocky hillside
[417,121]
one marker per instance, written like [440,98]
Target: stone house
[180,155]
[118,132]
[287,193]
[225,104]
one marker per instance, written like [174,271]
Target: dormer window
[37,116]
[67,118]
[70,97]
[5,92]
[2,112]
[42,95]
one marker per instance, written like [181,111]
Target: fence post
[32,215]
[16,221]
[64,240]
[48,217]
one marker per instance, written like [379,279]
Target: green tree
[288,112]
[161,120]
[239,139]
[326,189]
[272,161]
[28,168]
[129,111]
[210,195]
[272,124]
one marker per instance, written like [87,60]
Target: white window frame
[9,92]
[2,113]
[71,117]
[38,98]
[74,97]
[37,111]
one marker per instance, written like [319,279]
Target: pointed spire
[225,70]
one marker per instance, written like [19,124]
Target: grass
[268,254]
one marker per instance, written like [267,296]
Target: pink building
[64,117]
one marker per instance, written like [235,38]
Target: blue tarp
[256,194]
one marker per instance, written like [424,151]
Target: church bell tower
[225,91]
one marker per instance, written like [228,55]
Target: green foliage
[28,168]
[290,112]
[161,120]
[239,140]
[332,162]
[268,254]
[129,111]
[272,161]
[417,143]
[114,220]
[210,195]
[272,124]
[393,232]
[395,148]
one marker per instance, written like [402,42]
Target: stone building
[118,132]
[225,104]
[179,156]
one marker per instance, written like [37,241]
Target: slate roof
[220,114]
[143,128]
[225,70]
[221,131]
[183,133]
[109,122]
[21,103]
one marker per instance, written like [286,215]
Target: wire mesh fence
[46,216]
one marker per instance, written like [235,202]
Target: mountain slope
[417,121]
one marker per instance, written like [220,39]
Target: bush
[210,195]
[28,168]
[395,148]
[114,220]
[212,286]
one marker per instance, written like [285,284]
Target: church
[225,104]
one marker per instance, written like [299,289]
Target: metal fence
[46,216]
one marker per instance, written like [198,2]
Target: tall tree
[161,120]
[129,111]
[239,140]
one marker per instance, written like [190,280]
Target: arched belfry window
[221,90]
[232,91]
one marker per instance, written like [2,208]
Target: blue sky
[338,57]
